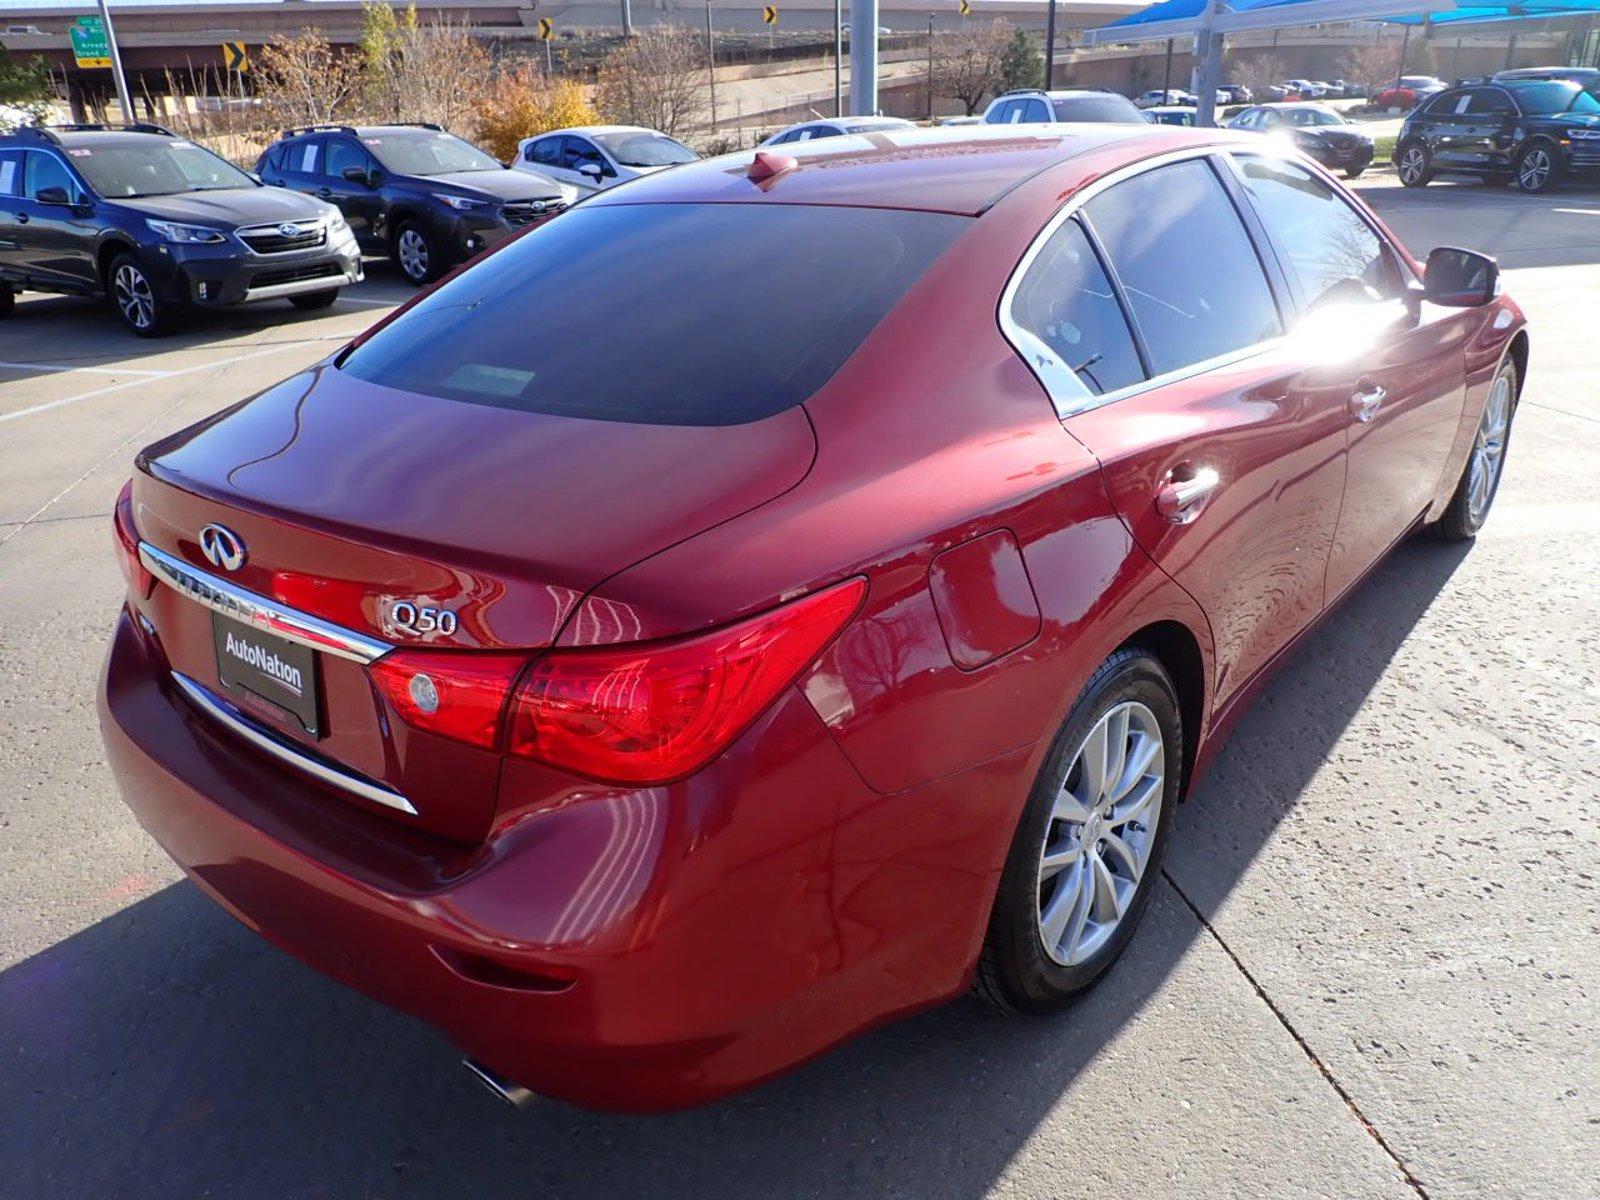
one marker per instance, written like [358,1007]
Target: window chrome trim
[280,748]
[267,615]
[1044,362]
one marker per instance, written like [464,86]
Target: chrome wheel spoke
[1141,754]
[1136,805]
[1128,860]
[1069,807]
[1065,903]
[1092,764]
[1057,860]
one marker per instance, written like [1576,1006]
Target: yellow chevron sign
[965,8]
[235,57]
[547,29]
[769,14]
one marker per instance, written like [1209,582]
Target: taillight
[455,693]
[139,580]
[657,711]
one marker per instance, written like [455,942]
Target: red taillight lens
[139,580]
[654,712]
[455,693]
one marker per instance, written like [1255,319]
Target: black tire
[135,300]
[420,261]
[1460,521]
[1413,165]
[1537,169]
[1015,972]
[1354,173]
[311,301]
[8,300]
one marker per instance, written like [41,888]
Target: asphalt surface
[1372,968]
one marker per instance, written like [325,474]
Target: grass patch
[1383,148]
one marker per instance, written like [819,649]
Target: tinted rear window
[1106,109]
[673,314]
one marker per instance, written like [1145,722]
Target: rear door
[1182,386]
[1490,127]
[11,213]
[1392,372]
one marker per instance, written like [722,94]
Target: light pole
[627,19]
[711,67]
[930,66]
[116,64]
[864,58]
[838,58]
[1050,47]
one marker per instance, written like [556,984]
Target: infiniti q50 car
[786,592]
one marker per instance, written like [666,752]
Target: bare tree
[422,72]
[303,80]
[969,63]
[1376,64]
[657,79]
[1258,72]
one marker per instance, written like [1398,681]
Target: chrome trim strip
[319,283]
[279,619]
[223,713]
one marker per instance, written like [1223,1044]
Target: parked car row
[159,225]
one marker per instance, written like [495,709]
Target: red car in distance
[782,594]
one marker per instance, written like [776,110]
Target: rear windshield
[672,314]
[1106,109]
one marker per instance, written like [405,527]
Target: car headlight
[1586,135]
[187,235]
[337,224]
[461,203]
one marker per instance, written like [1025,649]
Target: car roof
[955,169]
[86,137]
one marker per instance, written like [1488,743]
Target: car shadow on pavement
[167,1052]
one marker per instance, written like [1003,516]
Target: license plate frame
[269,669]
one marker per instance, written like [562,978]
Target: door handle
[1180,500]
[22,218]
[325,193]
[1366,400]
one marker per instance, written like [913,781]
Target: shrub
[520,103]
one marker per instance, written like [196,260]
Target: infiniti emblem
[289,229]
[222,547]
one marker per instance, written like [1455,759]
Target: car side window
[303,156]
[42,171]
[343,153]
[1489,101]
[1332,254]
[271,158]
[1067,302]
[1444,104]
[826,131]
[580,151]
[1190,271]
[546,151]
[10,171]
[1005,113]
[1034,110]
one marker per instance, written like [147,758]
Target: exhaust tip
[513,1094]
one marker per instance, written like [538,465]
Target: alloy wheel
[1101,831]
[1534,170]
[1488,451]
[413,250]
[1413,163]
[134,298]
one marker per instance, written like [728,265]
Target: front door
[361,204]
[57,240]
[1393,378]
[1227,476]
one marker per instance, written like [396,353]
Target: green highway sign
[89,45]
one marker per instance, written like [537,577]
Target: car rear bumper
[629,950]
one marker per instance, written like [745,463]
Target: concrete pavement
[1371,969]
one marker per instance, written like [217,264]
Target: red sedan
[782,594]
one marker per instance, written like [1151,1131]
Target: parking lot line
[210,366]
[61,367]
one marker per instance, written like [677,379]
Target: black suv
[1531,132]
[159,225]
[414,192]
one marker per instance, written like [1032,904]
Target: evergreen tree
[1021,66]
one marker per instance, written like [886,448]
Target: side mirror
[54,195]
[592,169]
[1458,278]
[359,175]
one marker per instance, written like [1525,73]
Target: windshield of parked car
[619,313]
[645,149]
[426,152]
[159,167]
[1106,108]
[1548,97]
[1305,118]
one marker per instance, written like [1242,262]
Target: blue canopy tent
[1210,21]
